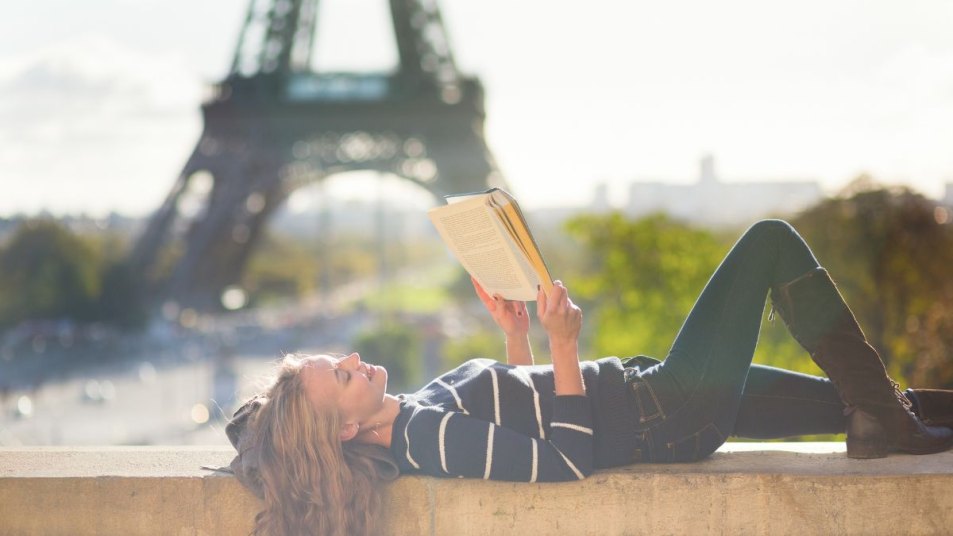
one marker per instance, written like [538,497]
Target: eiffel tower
[274,124]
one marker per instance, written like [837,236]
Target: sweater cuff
[575,409]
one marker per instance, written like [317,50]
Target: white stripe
[575,427]
[407,438]
[532,476]
[440,442]
[489,453]
[496,396]
[539,413]
[455,395]
[569,463]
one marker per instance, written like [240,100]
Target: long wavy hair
[312,482]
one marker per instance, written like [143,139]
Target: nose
[353,360]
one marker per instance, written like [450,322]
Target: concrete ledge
[745,488]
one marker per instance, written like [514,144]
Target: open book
[487,233]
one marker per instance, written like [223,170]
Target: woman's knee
[771,226]
[775,232]
[794,255]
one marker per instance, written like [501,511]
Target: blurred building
[948,198]
[710,201]
[600,199]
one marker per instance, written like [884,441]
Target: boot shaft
[811,307]
[881,419]
[819,319]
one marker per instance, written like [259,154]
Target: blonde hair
[312,482]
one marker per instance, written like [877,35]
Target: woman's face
[355,388]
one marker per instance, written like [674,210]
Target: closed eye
[340,373]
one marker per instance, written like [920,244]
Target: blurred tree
[641,279]
[47,272]
[122,297]
[397,348]
[891,251]
[488,343]
[122,300]
[279,268]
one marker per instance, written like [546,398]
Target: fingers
[560,317]
[555,302]
[487,300]
[546,303]
[479,289]
[541,302]
[515,307]
[559,297]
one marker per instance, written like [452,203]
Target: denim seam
[696,439]
[660,412]
[637,385]
[781,397]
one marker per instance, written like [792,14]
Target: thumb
[484,297]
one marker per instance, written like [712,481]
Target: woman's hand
[509,315]
[560,317]
[513,319]
[562,320]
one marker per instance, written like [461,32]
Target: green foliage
[47,272]
[777,348]
[396,347]
[483,343]
[408,298]
[121,301]
[891,252]
[280,268]
[641,279]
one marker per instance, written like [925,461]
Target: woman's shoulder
[469,367]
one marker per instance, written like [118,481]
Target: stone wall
[745,488]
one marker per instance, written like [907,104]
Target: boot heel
[867,448]
[866,437]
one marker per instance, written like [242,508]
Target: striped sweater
[489,420]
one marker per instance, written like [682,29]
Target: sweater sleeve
[453,444]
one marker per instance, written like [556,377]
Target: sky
[99,99]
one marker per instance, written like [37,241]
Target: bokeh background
[641,138]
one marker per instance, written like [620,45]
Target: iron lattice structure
[274,125]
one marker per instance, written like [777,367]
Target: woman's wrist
[516,334]
[566,372]
[518,350]
[564,346]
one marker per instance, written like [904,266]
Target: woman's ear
[349,430]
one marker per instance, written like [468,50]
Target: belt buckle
[629,373]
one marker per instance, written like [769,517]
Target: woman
[318,440]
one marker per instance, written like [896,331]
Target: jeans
[706,389]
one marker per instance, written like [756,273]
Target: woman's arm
[513,319]
[518,350]
[562,320]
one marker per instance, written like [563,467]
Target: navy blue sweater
[489,420]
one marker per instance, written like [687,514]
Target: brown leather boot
[880,417]
[934,407]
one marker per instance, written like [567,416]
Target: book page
[509,211]
[477,239]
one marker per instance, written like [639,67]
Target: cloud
[92,113]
